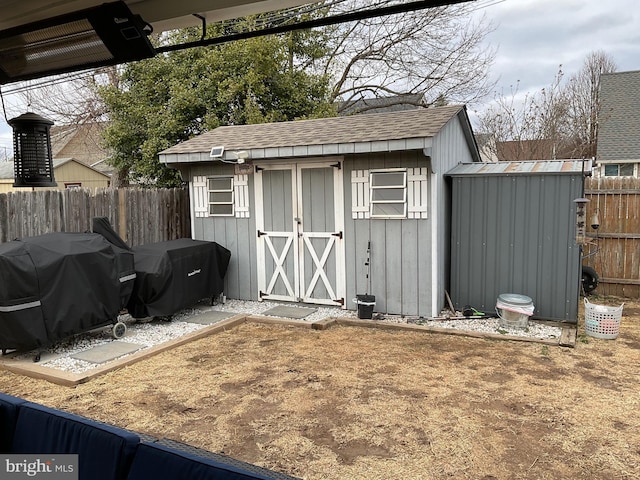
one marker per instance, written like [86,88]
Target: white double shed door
[300,223]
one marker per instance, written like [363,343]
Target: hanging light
[32,160]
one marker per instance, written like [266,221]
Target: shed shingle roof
[409,124]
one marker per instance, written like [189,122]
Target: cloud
[535,36]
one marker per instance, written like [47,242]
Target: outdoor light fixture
[108,34]
[32,159]
[242,156]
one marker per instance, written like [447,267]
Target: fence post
[122,214]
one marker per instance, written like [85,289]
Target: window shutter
[360,194]
[200,201]
[241,195]
[417,193]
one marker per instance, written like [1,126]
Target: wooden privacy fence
[617,242]
[140,216]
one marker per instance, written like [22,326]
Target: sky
[534,37]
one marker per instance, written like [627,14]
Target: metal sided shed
[514,231]
[298,203]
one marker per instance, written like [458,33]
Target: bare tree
[69,99]
[530,126]
[72,102]
[426,57]
[4,154]
[583,96]
[560,121]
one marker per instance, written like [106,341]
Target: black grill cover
[124,256]
[176,274]
[57,285]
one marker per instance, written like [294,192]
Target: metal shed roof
[533,167]
[380,132]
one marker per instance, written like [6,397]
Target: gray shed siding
[409,257]
[400,249]
[236,234]
[449,149]
[516,234]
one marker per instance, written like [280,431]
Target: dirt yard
[359,403]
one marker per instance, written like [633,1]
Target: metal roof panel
[530,167]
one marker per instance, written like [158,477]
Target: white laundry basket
[601,321]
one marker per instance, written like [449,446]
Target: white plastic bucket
[514,310]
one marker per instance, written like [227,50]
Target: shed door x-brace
[300,228]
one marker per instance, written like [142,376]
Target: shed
[514,231]
[298,204]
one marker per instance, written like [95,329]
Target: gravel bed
[145,333]
[492,325]
[151,332]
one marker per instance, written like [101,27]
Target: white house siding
[400,249]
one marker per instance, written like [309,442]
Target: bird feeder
[33,163]
[581,220]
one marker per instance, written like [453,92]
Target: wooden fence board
[140,216]
[617,241]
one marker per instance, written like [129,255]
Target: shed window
[396,193]
[220,191]
[388,194]
[618,170]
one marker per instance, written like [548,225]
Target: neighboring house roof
[58,162]
[380,132]
[619,117]
[395,103]
[519,150]
[7,171]
[537,167]
[82,142]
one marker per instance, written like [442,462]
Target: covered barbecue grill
[56,285]
[170,275]
[176,274]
